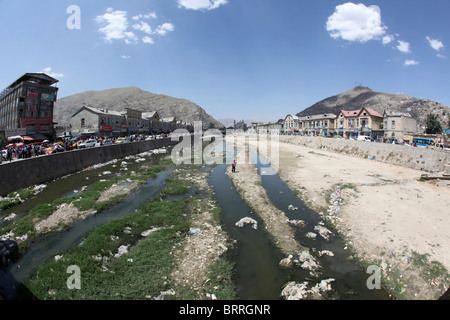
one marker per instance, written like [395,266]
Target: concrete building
[26,107]
[152,122]
[398,124]
[317,125]
[133,118]
[92,121]
[365,121]
[168,124]
[291,124]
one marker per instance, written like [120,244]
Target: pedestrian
[233,166]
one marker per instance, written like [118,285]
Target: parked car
[55,149]
[121,140]
[87,144]
[364,138]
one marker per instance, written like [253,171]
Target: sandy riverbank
[388,217]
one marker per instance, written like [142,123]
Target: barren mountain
[134,98]
[359,97]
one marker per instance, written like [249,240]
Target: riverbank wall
[26,172]
[411,157]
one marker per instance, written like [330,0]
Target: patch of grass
[349,186]
[431,271]
[140,273]
[166,161]
[175,187]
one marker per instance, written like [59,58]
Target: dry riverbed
[388,217]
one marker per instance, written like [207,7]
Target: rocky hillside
[359,97]
[134,98]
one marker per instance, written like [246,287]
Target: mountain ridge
[117,99]
[360,96]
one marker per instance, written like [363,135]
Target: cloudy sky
[245,59]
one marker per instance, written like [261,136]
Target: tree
[432,124]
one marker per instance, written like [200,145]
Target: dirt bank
[248,183]
[206,241]
[389,217]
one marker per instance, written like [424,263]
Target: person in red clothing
[233,166]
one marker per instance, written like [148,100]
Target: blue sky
[242,59]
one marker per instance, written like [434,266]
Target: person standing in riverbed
[233,166]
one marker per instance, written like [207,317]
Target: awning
[15,138]
[37,137]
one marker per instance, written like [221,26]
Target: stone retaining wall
[23,173]
[411,157]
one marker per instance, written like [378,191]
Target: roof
[319,117]
[372,112]
[150,114]
[390,113]
[99,111]
[351,113]
[170,119]
[357,113]
[41,78]
[293,117]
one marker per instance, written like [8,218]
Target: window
[83,122]
[393,124]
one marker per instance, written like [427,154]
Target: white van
[364,138]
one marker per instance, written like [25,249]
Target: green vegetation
[85,201]
[145,270]
[433,125]
[138,274]
[17,197]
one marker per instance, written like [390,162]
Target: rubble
[287,262]
[296,222]
[245,221]
[300,291]
[323,232]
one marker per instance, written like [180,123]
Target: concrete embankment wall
[23,173]
[411,157]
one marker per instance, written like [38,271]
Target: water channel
[258,275]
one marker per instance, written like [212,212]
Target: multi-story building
[398,124]
[291,124]
[317,125]
[26,106]
[364,121]
[152,121]
[92,121]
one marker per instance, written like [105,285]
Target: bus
[422,142]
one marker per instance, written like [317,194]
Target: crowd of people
[23,150]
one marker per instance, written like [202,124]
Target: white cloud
[125,57]
[441,56]
[143,26]
[164,28]
[145,16]
[115,26]
[201,4]
[387,39]
[435,44]
[356,22]
[403,46]
[48,71]
[147,39]
[411,63]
